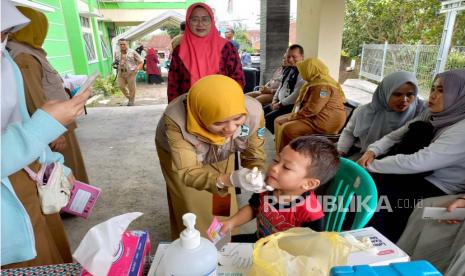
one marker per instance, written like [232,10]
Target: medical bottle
[190,254]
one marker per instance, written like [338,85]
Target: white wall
[320,25]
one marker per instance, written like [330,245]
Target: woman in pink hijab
[202,52]
[153,71]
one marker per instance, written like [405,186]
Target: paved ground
[117,143]
[118,148]
[147,94]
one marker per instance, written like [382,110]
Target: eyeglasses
[205,20]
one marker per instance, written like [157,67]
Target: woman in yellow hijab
[319,109]
[196,141]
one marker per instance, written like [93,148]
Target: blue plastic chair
[141,76]
[351,179]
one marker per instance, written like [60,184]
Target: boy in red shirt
[302,166]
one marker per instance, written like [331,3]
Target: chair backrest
[141,76]
[251,77]
[351,179]
[349,107]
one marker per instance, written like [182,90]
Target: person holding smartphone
[31,237]
[43,83]
[440,242]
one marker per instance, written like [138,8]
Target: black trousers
[398,195]
[270,115]
[155,79]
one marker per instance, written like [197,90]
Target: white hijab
[12,20]
[12,17]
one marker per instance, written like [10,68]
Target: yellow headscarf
[314,72]
[33,34]
[212,99]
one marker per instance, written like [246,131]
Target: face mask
[3,45]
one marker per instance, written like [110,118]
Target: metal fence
[379,60]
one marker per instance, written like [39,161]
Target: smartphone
[47,173]
[88,82]
[442,213]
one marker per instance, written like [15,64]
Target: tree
[240,35]
[172,30]
[397,22]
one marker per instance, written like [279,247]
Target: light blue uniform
[22,143]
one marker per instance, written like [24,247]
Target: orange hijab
[201,55]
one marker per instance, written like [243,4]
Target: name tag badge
[244,131]
[323,93]
[261,132]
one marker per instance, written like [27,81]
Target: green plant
[240,35]
[106,86]
[397,22]
[172,30]
[456,60]
[345,54]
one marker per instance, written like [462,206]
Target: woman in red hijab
[152,67]
[202,52]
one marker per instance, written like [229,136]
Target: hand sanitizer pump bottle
[190,254]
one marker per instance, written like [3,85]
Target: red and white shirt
[273,217]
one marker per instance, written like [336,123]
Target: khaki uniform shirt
[128,62]
[194,159]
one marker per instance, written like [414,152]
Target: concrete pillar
[319,30]
[274,35]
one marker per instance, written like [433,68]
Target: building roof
[159,42]
[169,17]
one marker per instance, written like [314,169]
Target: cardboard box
[388,252]
[82,200]
[130,258]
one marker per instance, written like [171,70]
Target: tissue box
[130,258]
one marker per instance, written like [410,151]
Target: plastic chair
[141,76]
[251,77]
[351,179]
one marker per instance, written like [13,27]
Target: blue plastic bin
[415,268]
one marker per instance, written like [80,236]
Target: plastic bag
[299,251]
